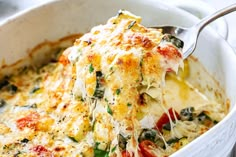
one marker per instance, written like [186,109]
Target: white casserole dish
[57,19]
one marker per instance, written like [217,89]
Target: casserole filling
[115,92]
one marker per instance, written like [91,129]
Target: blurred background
[226,26]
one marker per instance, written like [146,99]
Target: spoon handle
[205,21]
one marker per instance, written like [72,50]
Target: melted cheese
[112,82]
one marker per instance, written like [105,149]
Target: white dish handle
[201,9]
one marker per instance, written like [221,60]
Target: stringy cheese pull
[116,64]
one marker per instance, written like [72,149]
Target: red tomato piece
[29,121]
[146,148]
[165,119]
[125,153]
[169,70]
[63,59]
[169,51]
[42,151]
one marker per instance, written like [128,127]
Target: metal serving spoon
[190,35]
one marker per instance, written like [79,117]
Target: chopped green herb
[148,134]
[141,63]
[141,66]
[172,140]
[215,122]
[117,91]
[122,141]
[113,149]
[111,71]
[34,105]
[93,125]
[97,144]
[99,91]
[166,126]
[91,68]
[98,74]
[109,110]
[129,104]
[131,24]
[35,89]
[205,119]
[111,68]
[79,98]
[72,139]
[18,153]
[5,147]
[100,153]
[187,113]
[203,116]
[25,140]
